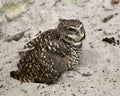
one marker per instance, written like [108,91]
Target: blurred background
[99,70]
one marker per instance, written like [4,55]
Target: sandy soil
[100,59]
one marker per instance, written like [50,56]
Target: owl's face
[73,31]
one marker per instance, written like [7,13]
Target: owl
[51,53]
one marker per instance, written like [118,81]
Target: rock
[114,1]
[10,9]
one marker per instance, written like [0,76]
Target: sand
[100,59]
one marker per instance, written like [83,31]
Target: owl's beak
[81,32]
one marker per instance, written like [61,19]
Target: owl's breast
[73,58]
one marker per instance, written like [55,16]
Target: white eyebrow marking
[72,27]
[81,25]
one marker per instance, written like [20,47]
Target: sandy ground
[100,59]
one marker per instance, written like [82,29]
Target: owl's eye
[71,29]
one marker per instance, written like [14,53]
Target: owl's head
[72,31]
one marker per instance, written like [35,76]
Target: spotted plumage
[51,53]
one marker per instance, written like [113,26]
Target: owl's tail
[26,78]
[15,75]
[19,76]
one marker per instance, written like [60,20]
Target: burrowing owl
[51,53]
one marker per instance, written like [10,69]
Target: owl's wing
[30,45]
[59,47]
[42,37]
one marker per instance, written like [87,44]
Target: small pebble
[86,74]
[115,1]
